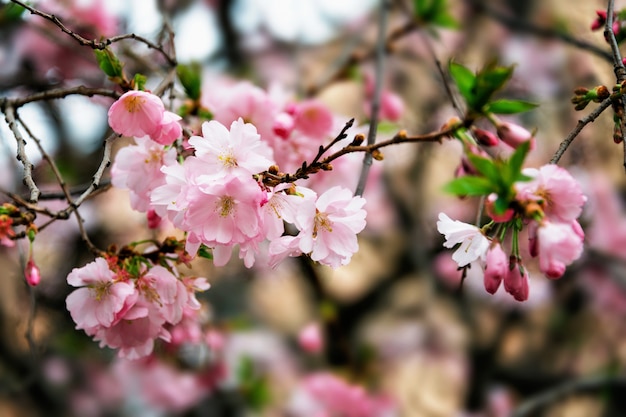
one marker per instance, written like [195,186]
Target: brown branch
[58,94]
[272,179]
[592,384]
[579,127]
[65,190]
[515,24]
[94,44]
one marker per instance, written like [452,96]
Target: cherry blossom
[559,244]
[139,169]
[136,113]
[328,230]
[101,299]
[473,242]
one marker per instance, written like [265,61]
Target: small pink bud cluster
[139,114]
[600,22]
[548,205]
[129,312]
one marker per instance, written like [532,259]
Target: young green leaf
[190,77]
[485,166]
[464,79]
[205,252]
[140,81]
[509,106]
[470,185]
[108,63]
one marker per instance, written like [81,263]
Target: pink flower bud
[283,125]
[154,220]
[310,338]
[485,137]
[490,207]
[514,135]
[496,268]
[391,106]
[600,20]
[516,280]
[32,274]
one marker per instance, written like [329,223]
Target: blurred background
[394,331]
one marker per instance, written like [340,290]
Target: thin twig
[579,127]
[375,107]
[591,384]
[97,177]
[65,190]
[515,24]
[618,65]
[94,44]
[58,94]
[10,117]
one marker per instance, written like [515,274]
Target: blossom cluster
[129,311]
[216,196]
[547,206]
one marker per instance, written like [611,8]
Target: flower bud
[516,280]
[32,274]
[283,125]
[310,338]
[496,268]
[514,135]
[485,137]
[153,219]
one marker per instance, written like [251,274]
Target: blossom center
[321,221]
[226,206]
[228,159]
[100,290]
[133,104]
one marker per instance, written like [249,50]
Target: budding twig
[10,117]
[579,127]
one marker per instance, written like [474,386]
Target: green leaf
[445,20]
[108,62]
[489,80]
[140,81]
[501,204]
[485,166]
[205,252]
[386,128]
[11,12]
[509,106]
[190,77]
[516,161]
[470,185]
[464,79]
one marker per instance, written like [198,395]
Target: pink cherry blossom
[135,331]
[313,119]
[556,190]
[169,129]
[560,244]
[328,234]
[224,152]
[136,113]
[226,211]
[324,394]
[243,100]
[138,168]
[496,268]
[100,298]
[473,242]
